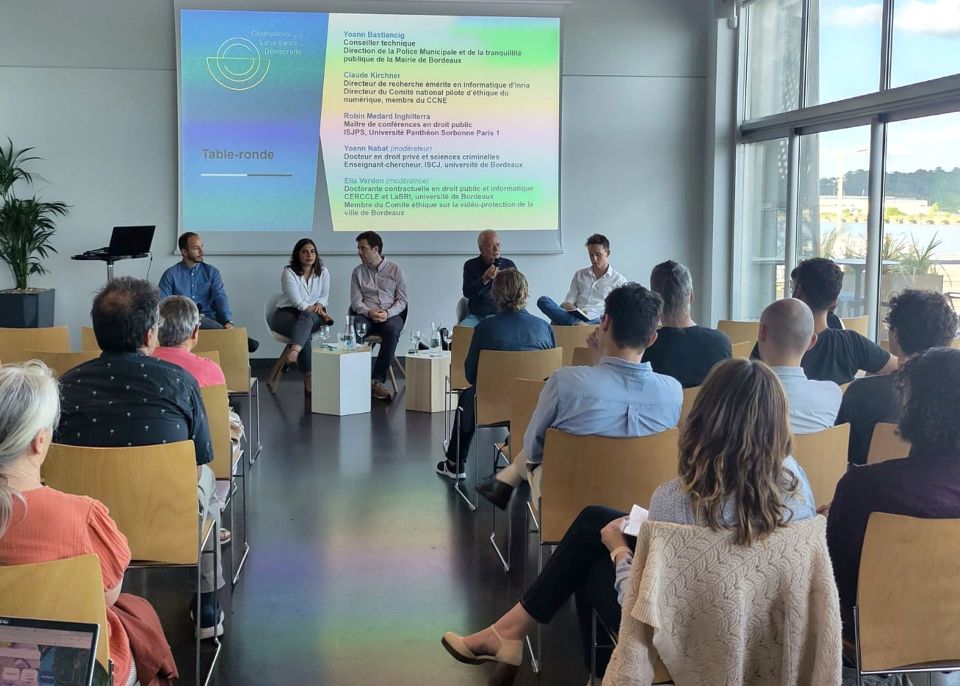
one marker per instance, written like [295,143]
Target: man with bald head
[478,275]
[786,333]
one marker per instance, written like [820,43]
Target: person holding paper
[734,450]
[478,275]
[620,396]
[588,288]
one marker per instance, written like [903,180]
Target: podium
[109,259]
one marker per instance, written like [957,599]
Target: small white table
[341,381]
[426,381]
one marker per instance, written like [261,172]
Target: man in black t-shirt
[683,350]
[839,353]
[917,320]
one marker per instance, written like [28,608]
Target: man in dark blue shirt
[201,282]
[478,275]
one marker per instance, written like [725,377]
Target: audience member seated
[40,524]
[126,397]
[512,328]
[735,474]
[588,288]
[917,320]
[177,337]
[202,283]
[619,396]
[302,309]
[786,333]
[378,298]
[478,275]
[925,484]
[838,353]
[683,350]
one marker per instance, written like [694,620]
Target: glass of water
[361,329]
[414,341]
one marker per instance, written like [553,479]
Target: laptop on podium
[40,652]
[125,241]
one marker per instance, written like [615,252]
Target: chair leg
[457,484]
[275,373]
[393,380]
[504,557]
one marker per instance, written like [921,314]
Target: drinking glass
[414,342]
[361,329]
[324,334]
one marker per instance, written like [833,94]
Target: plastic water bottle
[435,349]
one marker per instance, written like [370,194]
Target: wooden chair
[908,599]
[211,355]
[524,395]
[88,339]
[68,590]
[151,492]
[823,456]
[886,444]
[227,464]
[14,343]
[456,382]
[61,363]
[858,324]
[231,344]
[582,357]
[496,371]
[742,350]
[569,338]
[689,397]
[738,331]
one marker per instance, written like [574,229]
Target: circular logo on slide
[237,65]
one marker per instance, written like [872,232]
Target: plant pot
[27,309]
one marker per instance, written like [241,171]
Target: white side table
[341,381]
[425,381]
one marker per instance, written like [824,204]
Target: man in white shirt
[378,298]
[786,333]
[588,288]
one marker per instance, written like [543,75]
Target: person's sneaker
[211,616]
[451,471]
[496,491]
[381,392]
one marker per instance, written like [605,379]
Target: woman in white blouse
[303,307]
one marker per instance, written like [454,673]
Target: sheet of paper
[638,515]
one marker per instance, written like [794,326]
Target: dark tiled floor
[361,558]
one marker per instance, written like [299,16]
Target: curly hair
[510,290]
[732,448]
[929,389]
[921,320]
[295,258]
[820,280]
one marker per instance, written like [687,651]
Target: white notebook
[638,515]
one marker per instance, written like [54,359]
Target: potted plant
[27,226]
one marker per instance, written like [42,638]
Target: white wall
[92,85]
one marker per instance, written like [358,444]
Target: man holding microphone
[478,275]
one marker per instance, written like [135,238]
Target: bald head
[786,331]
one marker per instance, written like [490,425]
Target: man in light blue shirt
[619,396]
[786,333]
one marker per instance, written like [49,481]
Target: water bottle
[348,334]
[435,349]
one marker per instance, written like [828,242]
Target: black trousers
[580,567]
[390,332]
[464,426]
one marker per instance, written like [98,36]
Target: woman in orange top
[40,524]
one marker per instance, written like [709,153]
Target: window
[926,40]
[773,67]
[843,50]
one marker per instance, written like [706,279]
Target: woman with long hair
[736,474]
[302,309]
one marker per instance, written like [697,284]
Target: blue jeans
[560,316]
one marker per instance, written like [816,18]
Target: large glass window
[832,221]
[926,40]
[764,207]
[773,44]
[843,50]
[921,206]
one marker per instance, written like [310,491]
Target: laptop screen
[40,653]
[130,240]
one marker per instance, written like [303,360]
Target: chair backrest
[495,375]
[67,590]
[523,401]
[61,363]
[738,331]
[269,307]
[14,343]
[582,357]
[908,598]
[151,492]
[689,396]
[823,456]
[569,338]
[858,324]
[88,339]
[742,350]
[212,355]
[459,347]
[216,404]
[886,444]
[234,355]
[598,470]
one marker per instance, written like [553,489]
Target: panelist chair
[269,308]
[376,339]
